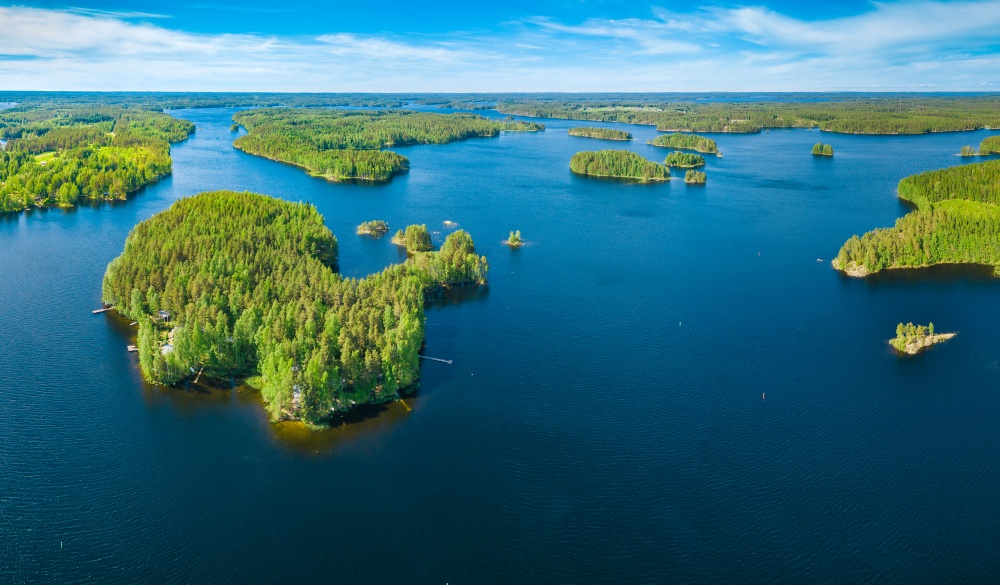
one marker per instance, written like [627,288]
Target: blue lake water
[663,385]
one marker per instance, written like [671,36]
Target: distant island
[685,142]
[684,160]
[515,241]
[956,221]
[990,145]
[695,178]
[913,339]
[602,133]
[848,115]
[376,228]
[250,291]
[59,155]
[343,145]
[820,149]
[618,164]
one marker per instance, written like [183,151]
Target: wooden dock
[133,348]
[435,359]
[104,310]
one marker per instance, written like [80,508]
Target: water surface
[605,418]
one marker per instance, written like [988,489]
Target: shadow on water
[942,273]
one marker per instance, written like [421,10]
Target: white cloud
[901,45]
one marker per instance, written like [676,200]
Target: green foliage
[685,142]
[250,286]
[602,133]
[990,145]
[820,149]
[623,164]
[377,228]
[695,178]
[909,334]
[974,182]
[345,145]
[99,153]
[684,160]
[950,232]
[416,238]
[514,240]
[967,151]
[863,115]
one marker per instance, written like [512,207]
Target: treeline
[975,182]
[820,149]
[684,160]
[101,154]
[345,145]
[956,221]
[622,164]
[695,178]
[249,290]
[602,133]
[907,334]
[990,145]
[686,142]
[867,115]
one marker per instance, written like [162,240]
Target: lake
[667,383]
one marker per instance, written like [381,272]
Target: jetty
[435,359]
[104,310]
[133,348]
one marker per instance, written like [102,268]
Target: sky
[500,46]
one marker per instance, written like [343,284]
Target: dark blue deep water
[604,419]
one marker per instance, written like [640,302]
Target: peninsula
[249,290]
[342,145]
[913,339]
[956,221]
[618,164]
[601,133]
[57,156]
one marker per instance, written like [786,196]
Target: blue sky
[513,45]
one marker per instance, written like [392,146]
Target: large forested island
[686,142]
[342,145]
[956,221]
[244,285]
[618,164]
[839,113]
[601,133]
[59,155]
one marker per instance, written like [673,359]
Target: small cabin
[166,348]
[163,315]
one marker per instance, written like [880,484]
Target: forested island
[601,133]
[514,240]
[889,114]
[684,160]
[913,339]
[60,155]
[415,238]
[619,164]
[956,221]
[376,228]
[990,145]
[685,142]
[820,149]
[695,178]
[342,145]
[240,285]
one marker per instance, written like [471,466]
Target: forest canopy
[57,156]
[686,142]
[601,133]
[684,160]
[345,145]
[621,164]
[957,221]
[244,285]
